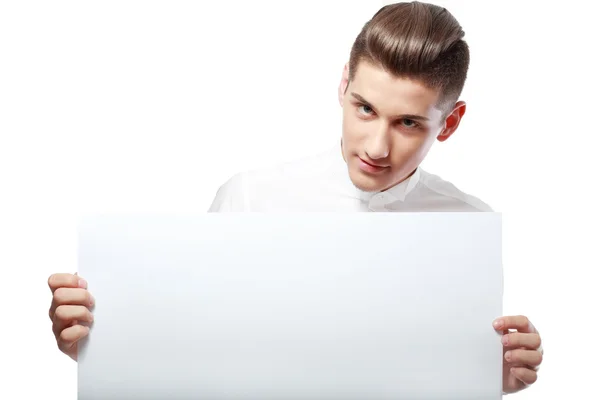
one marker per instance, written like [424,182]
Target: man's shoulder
[284,176]
[450,195]
[230,195]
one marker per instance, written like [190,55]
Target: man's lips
[372,164]
[370,167]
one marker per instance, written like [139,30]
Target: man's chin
[367,183]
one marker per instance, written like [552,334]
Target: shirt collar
[397,192]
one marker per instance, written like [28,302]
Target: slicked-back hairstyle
[418,41]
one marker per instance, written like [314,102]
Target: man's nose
[378,143]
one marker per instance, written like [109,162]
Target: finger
[70,296]
[70,336]
[525,375]
[519,322]
[531,358]
[56,281]
[68,315]
[528,340]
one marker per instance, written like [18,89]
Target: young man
[399,94]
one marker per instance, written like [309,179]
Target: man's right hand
[71,303]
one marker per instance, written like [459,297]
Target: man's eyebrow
[361,99]
[403,116]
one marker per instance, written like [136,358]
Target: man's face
[389,125]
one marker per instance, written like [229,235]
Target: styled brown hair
[418,41]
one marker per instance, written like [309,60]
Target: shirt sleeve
[231,196]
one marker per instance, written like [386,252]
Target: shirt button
[377,203]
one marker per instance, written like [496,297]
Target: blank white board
[306,306]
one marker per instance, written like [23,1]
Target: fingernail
[82,284]
[498,323]
[505,340]
[508,355]
[92,300]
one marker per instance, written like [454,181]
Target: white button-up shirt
[322,183]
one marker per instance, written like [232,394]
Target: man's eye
[365,109]
[409,123]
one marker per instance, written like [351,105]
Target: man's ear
[343,84]
[453,121]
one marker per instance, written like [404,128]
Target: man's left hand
[522,352]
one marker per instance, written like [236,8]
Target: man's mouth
[369,167]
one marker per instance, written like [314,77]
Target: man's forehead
[396,94]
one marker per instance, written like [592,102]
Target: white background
[150,106]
